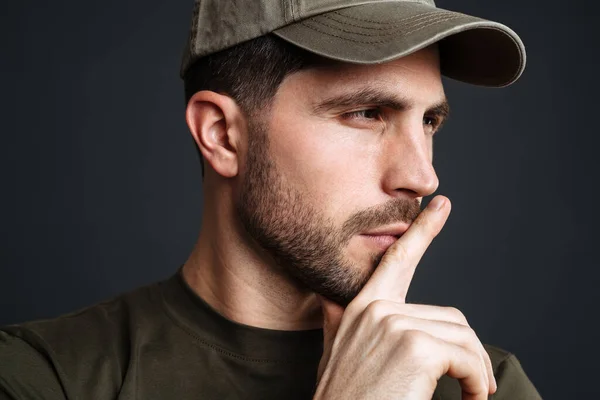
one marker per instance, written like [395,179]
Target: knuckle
[466,337]
[457,316]
[376,310]
[417,344]
[470,337]
[392,324]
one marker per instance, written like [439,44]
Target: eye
[429,121]
[432,123]
[368,114]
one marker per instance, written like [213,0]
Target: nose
[409,162]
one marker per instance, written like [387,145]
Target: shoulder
[23,368]
[91,328]
[513,382]
[79,348]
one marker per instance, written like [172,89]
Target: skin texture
[304,241]
[342,151]
[335,167]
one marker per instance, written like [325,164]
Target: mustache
[396,210]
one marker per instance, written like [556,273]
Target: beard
[305,243]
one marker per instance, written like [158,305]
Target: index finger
[392,278]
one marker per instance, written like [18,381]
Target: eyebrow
[379,98]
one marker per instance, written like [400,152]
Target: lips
[384,237]
[381,242]
[391,230]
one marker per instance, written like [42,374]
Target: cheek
[333,167]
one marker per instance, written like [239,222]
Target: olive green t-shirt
[162,341]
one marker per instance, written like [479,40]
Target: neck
[243,284]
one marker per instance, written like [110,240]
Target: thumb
[332,318]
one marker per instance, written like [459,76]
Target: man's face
[337,170]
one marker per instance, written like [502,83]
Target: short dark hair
[250,72]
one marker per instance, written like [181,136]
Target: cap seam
[285,13]
[414,28]
[393,21]
[505,83]
[401,1]
[418,17]
[373,41]
[410,19]
[295,8]
[338,12]
[288,15]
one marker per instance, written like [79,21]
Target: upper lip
[389,230]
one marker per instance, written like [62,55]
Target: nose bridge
[410,165]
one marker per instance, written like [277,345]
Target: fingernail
[437,203]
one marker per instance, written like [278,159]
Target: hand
[379,347]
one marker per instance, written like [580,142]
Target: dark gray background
[101,187]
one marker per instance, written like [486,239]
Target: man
[315,122]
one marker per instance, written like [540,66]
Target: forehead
[416,76]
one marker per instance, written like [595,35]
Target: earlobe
[213,121]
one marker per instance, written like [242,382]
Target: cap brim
[472,49]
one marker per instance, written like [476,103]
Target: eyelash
[435,121]
[358,113]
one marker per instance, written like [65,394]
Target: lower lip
[382,241]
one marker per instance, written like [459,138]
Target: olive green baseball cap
[472,49]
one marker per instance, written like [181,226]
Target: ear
[217,124]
